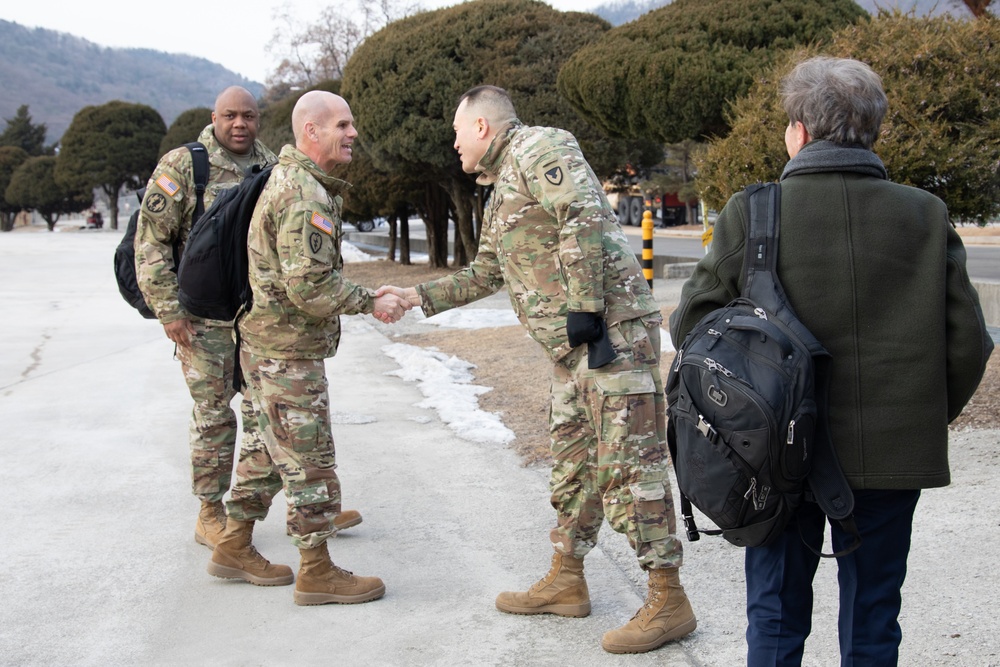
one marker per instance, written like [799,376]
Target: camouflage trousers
[295,451]
[608,428]
[208,371]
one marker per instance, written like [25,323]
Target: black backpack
[128,284]
[213,279]
[747,406]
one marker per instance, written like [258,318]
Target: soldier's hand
[389,307]
[408,293]
[583,327]
[179,331]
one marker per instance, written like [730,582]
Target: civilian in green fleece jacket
[877,272]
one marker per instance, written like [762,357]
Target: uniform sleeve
[309,252]
[480,279]
[716,279]
[563,184]
[162,212]
[969,343]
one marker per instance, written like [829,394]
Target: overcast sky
[189,26]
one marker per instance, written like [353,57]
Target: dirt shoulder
[513,364]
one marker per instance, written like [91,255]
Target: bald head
[482,112]
[489,102]
[324,128]
[236,119]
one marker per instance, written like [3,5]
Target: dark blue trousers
[779,584]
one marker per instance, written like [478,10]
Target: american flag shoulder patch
[167,185]
[321,223]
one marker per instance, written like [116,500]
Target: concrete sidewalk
[98,565]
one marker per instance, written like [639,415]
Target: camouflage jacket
[551,236]
[295,262]
[165,218]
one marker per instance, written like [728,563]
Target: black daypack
[747,398]
[213,279]
[128,284]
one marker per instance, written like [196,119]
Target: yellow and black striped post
[647,246]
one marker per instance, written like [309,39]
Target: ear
[482,128]
[311,131]
[801,134]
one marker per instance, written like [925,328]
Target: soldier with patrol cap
[552,238]
[205,348]
[294,324]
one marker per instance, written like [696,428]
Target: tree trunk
[112,202]
[7,221]
[436,221]
[390,254]
[462,202]
[404,240]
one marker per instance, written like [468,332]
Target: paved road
[983,262]
[98,565]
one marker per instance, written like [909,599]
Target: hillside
[617,12]
[57,74]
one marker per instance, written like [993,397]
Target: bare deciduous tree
[319,50]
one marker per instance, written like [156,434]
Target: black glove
[583,327]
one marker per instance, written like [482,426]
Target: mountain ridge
[56,74]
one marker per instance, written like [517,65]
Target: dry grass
[517,369]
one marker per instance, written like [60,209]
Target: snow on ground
[445,382]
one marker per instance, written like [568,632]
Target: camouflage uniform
[552,238]
[298,296]
[165,219]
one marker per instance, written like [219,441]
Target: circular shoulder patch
[155,202]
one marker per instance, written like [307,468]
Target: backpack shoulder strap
[761,283]
[827,484]
[199,167]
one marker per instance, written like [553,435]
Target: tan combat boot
[563,591]
[666,615]
[211,523]
[322,582]
[235,557]
[346,519]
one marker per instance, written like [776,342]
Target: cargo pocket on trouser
[649,512]
[625,411]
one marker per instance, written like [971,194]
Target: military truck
[668,210]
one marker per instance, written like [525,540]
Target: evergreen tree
[670,73]
[11,157]
[185,129]
[34,188]
[21,132]
[110,146]
[404,82]
[942,129]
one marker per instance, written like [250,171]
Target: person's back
[869,266]
[877,273]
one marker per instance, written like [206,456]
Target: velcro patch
[321,223]
[155,202]
[167,185]
[554,175]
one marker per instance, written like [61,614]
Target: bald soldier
[550,236]
[205,348]
[299,295]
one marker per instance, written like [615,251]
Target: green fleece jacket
[878,274]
